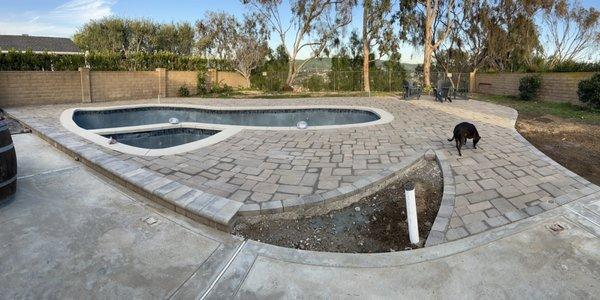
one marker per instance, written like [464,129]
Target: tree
[513,37]
[243,43]
[271,75]
[472,29]
[134,36]
[143,33]
[572,31]
[377,31]
[500,35]
[215,34]
[427,23]
[106,34]
[313,25]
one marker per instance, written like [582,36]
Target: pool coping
[226,131]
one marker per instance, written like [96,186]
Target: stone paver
[504,179]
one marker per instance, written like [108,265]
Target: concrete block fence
[84,86]
[556,87]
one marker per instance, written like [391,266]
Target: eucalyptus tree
[572,31]
[426,23]
[377,31]
[243,43]
[313,25]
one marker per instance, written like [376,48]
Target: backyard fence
[555,87]
[47,87]
[332,81]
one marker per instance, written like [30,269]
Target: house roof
[37,43]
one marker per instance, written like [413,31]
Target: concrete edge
[401,258]
[208,209]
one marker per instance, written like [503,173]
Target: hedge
[106,61]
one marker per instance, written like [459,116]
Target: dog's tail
[450,140]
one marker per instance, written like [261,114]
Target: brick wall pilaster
[472,86]
[86,91]
[162,82]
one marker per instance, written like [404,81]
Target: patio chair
[442,91]
[411,91]
[460,93]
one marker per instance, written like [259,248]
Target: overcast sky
[62,18]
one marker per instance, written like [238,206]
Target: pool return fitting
[411,213]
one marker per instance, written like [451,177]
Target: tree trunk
[248,83]
[366,52]
[427,45]
[291,73]
[427,65]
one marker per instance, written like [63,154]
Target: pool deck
[69,233]
[257,171]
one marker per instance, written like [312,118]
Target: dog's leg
[458,146]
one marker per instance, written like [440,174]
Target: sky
[62,18]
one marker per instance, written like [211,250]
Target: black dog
[462,132]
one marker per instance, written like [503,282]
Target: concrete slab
[535,263]
[35,156]
[69,234]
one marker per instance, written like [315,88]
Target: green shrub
[573,66]
[529,86]
[224,89]
[106,61]
[201,83]
[589,91]
[314,83]
[183,91]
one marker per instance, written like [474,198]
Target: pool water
[136,116]
[164,138]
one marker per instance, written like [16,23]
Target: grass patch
[539,108]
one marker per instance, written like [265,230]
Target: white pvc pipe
[411,213]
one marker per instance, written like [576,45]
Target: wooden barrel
[8,163]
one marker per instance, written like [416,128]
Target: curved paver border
[437,234]
[357,189]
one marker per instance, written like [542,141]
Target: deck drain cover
[150,221]
[556,228]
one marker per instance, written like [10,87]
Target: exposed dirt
[573,145]
[376,223]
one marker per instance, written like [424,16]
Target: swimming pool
[164,138]
[144,129]
[90,119]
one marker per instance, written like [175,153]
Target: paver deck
[503,181]
[87,238]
